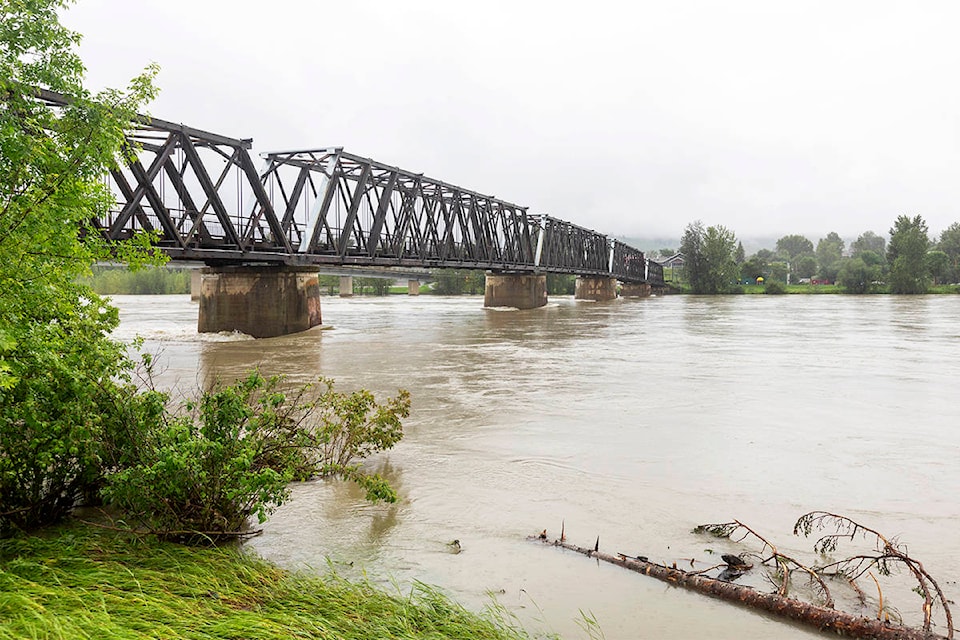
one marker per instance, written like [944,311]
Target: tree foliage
[937,264]
[829,253]
[868,241]
[58,366]
[804,266]
[858,276]
[793,246]
[906,253]
[202,472]
[708,253]
[377,286]
[458,281]
[950,245]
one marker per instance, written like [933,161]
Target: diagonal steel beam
[213,197]
[133,202]
[348,224]
[379,218]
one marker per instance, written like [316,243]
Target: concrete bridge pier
[195,285]
[636,290]
[595,288]
[346,286]
[413,287]
[263,301]
[519,290]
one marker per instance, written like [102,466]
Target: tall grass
[82,582]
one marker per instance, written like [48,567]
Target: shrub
[203,472]
[774,287]
[58,395]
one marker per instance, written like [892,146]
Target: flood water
[634,421]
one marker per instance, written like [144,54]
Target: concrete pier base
[641,290]
[519,290]
[260,301]
[413,287]
[598,289]
[346,286]
[195,285]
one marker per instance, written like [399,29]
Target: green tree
[857,275]
[376,286]
[868,241]
[938,265]
[754,268]
[792,246]
[561,284]
[829,254]
[804,266]
[58,367]
[452,282]
[906,253]
[766,255]
[709,264]
[740,256]
[777,272]
[950,245]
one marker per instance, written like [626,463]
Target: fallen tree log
[823,618]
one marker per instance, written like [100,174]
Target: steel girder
[356,210]
[201,191]
[204,198]
[628,264]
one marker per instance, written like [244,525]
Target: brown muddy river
[634,421]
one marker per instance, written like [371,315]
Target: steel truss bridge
[203,195]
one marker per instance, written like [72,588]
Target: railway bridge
[263,231]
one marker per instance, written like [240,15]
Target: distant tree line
[910,262]
[110,280]
[450,282]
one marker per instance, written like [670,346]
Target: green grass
[796,288]
[78,581]
[944,288]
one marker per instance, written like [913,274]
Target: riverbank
[81,581]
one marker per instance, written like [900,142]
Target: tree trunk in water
[822,618]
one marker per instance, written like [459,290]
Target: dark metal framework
[207,201]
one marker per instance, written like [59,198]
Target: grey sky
[633,119]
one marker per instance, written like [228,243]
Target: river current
[632,421]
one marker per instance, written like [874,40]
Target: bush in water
[203,472]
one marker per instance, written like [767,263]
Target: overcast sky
[633,119]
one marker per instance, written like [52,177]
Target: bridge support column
[597,289]
[519,290]
[413,287]
[346,286]
[260,301]
[636,289]
[195,276]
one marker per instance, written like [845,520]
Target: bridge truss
[207,201]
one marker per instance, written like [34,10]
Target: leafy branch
[888,553]
[785,565]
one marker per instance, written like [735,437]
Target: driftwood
[823,618]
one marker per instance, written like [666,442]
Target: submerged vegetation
[79,581]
